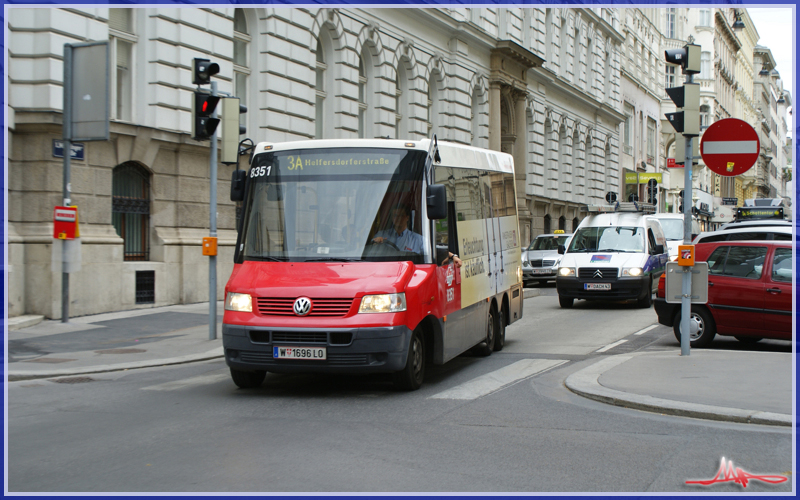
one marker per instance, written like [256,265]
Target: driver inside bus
[399,234]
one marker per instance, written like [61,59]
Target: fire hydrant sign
[65,222]
[730,147]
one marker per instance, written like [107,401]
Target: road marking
[189,382]
[645,330]
[611,346]
[495,380]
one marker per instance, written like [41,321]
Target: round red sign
[730,147]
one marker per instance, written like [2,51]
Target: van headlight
[384,303]
[241,302]
[632,271]
[566,271]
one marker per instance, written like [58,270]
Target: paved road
[505,423]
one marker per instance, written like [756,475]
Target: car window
[749,235]
[745,262]
[716,261]
[782,265]
[782,237]
[652,239]
[712,239]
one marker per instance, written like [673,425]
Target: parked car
[759,223]
[540,260]
[769,233]
[749,293]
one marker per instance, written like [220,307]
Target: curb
[585,383]
[527,293]
[17,375]
[19,322]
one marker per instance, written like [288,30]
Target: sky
[774,26]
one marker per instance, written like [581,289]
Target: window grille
[130,209]
[145,287]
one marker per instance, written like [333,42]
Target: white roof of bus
[452,154]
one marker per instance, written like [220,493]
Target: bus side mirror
[442,254]
[561,249]
[437,202]
[238,179]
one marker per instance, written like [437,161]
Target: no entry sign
[730,147]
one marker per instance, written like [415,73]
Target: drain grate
[72,380]
[120,351]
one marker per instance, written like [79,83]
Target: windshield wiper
[268,259]
[618,250]
[334,259]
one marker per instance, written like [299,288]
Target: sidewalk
[736,386]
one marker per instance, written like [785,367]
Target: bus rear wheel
[500,338]
[411,376]
[486,347]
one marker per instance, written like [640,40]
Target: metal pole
[686,285]
[66,127]
[212,262]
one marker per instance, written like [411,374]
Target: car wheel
[500,338]
[247,380]
[565,302]
[411,376]
[706,329]
[748,340]
[486,347]
[647,300]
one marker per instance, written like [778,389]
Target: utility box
[65,223]
[674,283]
[209,246]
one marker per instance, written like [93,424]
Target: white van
[618,252]
[672,224]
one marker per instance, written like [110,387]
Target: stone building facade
[540,83]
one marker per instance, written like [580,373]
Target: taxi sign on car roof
[558,231]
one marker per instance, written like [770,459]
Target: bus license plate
[299,353]
[597,286]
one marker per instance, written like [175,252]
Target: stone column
[520,156]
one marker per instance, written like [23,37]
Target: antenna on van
[433,156]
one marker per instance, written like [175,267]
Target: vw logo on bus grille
[597,274]
[302,306]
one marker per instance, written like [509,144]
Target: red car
[749,293]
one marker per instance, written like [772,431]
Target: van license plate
[299,352]
[597,286]
[542,271]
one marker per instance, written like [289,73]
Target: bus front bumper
[354,350]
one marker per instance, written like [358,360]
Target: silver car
[540,260]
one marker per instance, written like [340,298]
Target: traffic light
[680,150]
[680,206]
[203,125]
[686,97]
[231,129]
[633,197]
[203,70]
[652,192]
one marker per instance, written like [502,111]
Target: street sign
[730,201]
[672,283]
[730,147]
[671,163]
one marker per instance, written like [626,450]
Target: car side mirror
[562,249]
[238,179]
[659,249]
[437,202]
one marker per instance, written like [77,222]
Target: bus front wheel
[411,376]
[247,380]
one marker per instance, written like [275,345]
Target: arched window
[130,209]
[575,223]
[547,224]
[366,93]
[402,105]
[434,105]
[477,98]
[564,52]
[323,105]
[562,223]
[241,59]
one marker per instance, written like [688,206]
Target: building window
[705,65]
[362,97]
[241,66]
[669,74]
[130,209]
[433,105]
[475,117]
[122,39]
[671,15]
[705,116]
[651,141]
[705,17]
[402,105]
[628,137]
[319,104]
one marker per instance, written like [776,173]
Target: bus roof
[452,154]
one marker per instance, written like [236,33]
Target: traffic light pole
[686,285]
[212,259]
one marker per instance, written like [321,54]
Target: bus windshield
[331,204]
[608,239]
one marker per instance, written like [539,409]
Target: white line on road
[181,384]
[495,380]
[611,346]
[645,330]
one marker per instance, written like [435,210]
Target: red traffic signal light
[203,70]
[203,125]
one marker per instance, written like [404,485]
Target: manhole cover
[120,351]
[72,380]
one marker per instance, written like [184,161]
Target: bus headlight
[632,271]
[241,302]
[566,271]
[385,303]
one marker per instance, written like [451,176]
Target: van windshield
[608,239]
[329,204]
[673,228]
